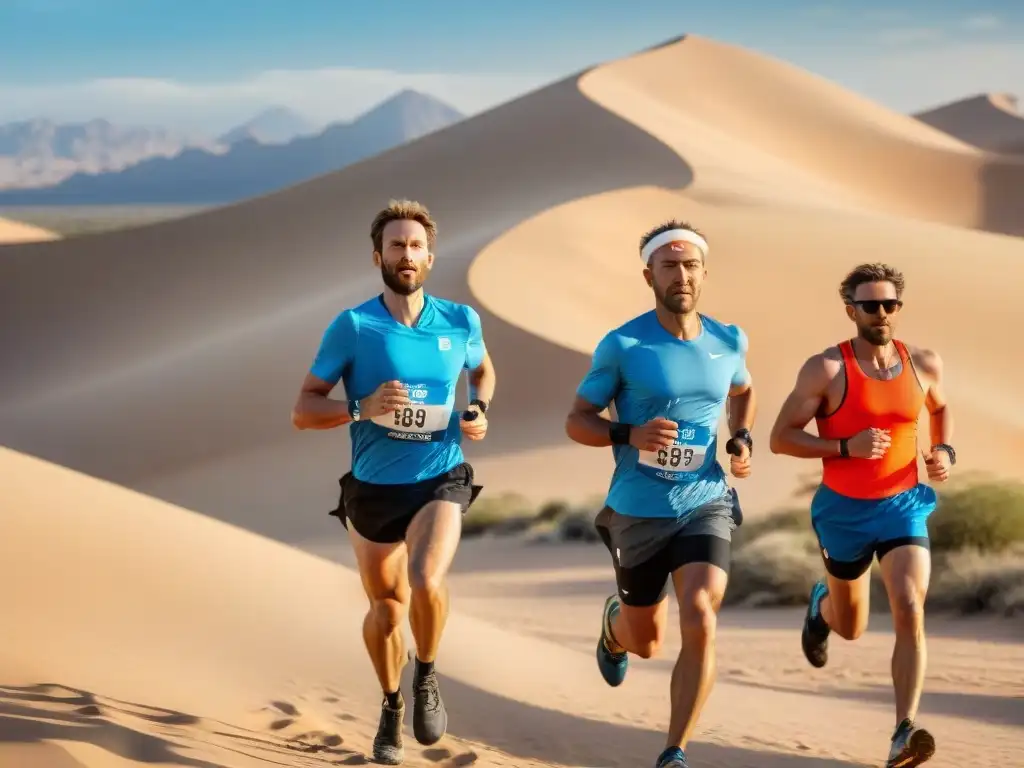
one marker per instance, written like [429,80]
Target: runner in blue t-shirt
[669,511]
[399,356]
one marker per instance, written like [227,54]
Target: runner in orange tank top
[865,396]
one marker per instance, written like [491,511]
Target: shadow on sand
[533,733]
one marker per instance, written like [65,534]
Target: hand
[476,427]
[656,433]
[739,465]
[389,396]
[870,443]
[938,464]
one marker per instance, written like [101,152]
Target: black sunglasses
[871,305]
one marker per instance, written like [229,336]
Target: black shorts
[706,538]
[382,512]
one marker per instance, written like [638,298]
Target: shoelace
[428,688]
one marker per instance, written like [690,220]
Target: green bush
[986,516]
[502,513]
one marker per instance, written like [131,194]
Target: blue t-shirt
[365,346]
[647,372]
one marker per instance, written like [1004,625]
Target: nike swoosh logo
[713,356]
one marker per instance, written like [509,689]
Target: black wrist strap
[479,404]
[619,433]
[844,448]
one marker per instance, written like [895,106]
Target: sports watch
[742,435]
[949,451]
[479,404]
[353,409]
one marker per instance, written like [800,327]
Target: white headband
[674,236]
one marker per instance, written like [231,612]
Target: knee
[647,639]
[387,612]
[850,627]
[425,581]
[646,633]
[698,618]
[907,612]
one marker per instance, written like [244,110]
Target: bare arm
[315,410]
[586,426]
[940,421]
[482,381]
[789,435]
[742,407]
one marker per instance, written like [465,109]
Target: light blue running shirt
[647,372]
[365,346]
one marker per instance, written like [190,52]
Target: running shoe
[673,757]
[387,744]
[429,716]
[814,638]
[910,746]
[612,665]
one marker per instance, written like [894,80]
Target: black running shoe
[429,717]
[387,744]
[910,746]
[814,638]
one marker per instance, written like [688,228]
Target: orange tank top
[893,404]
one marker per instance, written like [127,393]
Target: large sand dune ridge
[165,360]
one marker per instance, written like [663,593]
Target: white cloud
[323,95]
[909,35]
[983,21]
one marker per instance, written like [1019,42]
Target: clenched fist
[388,397]
[937,464]
[655,434]
[870,443]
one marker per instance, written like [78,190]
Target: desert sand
[990,121]
[19,232]
[182,596]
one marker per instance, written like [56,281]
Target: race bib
[678,461]
[423,420]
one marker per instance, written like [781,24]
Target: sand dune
[989,121]
[166,359]
[18,232]
[143,633]
[200,329]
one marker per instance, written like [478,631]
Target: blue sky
[179,63]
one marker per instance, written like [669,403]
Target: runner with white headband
[669,513]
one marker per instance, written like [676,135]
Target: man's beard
[395,282]
[679,303]
[876,335]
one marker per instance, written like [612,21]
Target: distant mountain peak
[274,125]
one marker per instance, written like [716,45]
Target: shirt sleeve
[601,383]
[337,348]
[475,347]
[741,376]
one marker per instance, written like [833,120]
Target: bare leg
[907,571]
[846,607]
[640,629]
[433,539]
[382,568]
[699,589]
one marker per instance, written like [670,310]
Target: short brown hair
[650,234]
[400,210]
[870,273]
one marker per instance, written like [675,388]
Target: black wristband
[844,448]
[479,404]
[948,449]
[744,434]
[619,433]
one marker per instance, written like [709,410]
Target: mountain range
[98,163]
